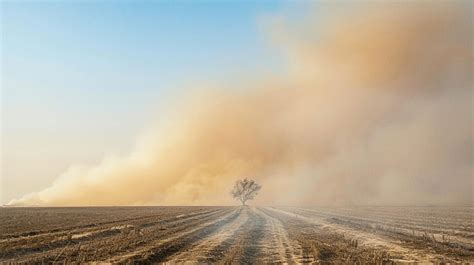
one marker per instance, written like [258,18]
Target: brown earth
[237,234]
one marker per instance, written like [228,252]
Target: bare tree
[245,189]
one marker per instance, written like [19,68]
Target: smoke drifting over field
[375,109]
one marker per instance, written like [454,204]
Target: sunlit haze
[168,103]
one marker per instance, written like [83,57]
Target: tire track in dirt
[247,249]
[111,243]
[209,249]
[162,249]
[278,245]
[300,253]
[261,239]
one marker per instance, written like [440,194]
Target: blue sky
[79,78]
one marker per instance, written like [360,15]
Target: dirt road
[219,234]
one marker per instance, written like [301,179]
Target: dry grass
[283,235]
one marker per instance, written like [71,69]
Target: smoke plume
[375,108]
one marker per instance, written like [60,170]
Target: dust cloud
[375,108]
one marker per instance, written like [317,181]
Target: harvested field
[237,234]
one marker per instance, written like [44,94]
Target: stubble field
[237,234]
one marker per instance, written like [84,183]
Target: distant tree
[245,189]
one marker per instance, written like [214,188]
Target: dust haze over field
[375,108]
